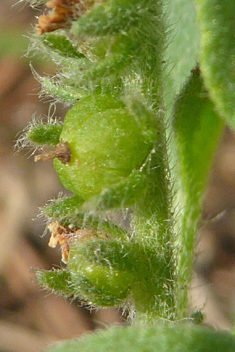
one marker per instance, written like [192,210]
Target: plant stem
[153,228]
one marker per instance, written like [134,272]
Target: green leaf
[64,209]
[61,44]
[217,26]
[59,90]
[57,281]
[161,338]
[182,48]
[179,58]
[198,129]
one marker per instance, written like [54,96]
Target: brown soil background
[30,318]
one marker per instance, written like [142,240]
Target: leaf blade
[217,26]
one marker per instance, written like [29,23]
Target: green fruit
[94,274]
[101,285]
[106,143]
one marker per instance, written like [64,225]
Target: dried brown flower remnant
[60,13]
[64,235]
[62,152]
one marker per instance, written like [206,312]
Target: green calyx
[107,271]
[44,134]
[95,274]
[106,143]
[101,286]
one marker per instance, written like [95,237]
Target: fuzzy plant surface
[150,86]
[160,338]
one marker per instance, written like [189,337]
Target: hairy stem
[153,227]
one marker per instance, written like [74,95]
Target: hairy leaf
[197,129]
[217,25]
[161,338]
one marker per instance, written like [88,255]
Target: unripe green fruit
[106,143]
[101,285]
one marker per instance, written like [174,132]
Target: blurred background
[30,318]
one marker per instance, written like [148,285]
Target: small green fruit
[106,143]
[94,274]
[101,285]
